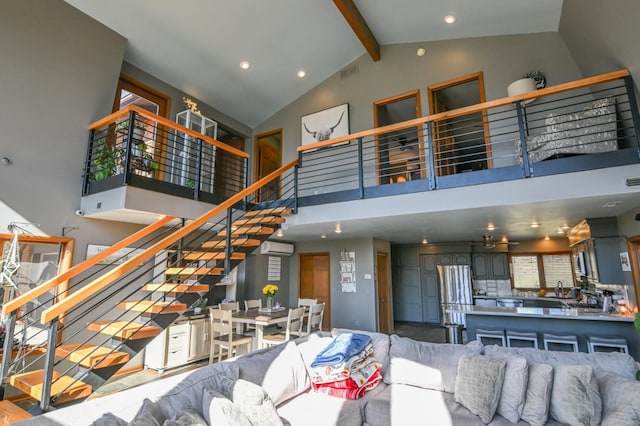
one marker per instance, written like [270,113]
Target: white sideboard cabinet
[186,340]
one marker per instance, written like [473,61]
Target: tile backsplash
[498,288]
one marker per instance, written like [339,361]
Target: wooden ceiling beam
[359,26]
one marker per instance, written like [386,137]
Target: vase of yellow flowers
[270,290]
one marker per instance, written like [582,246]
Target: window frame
[541,274]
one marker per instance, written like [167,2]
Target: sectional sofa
[423,383]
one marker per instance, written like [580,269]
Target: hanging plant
[538,76]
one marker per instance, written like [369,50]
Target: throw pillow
[575,399]
[536,405]
[478,385]
[188,393]
[187,417]
[252,401]
[426,365]
[279,370]
[221,411]
[514,388]
[149,414]
[620,402]
[109,419]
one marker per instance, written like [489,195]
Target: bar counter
[577,321]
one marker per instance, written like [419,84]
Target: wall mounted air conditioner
[276,249]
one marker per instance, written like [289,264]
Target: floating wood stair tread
[235,242]
[152,307]
[194,271]
[31,384]
[248,230]
[177,288]
[262,220]
[124,329]
[92,356]
[213,255]
[279,211]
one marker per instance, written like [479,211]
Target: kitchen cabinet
[490,266]
[185,341]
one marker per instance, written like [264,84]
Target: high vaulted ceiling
[197,45]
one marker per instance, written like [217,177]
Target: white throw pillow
[536,405]
[575,398]
[479,384]
[514,388]
[620,401]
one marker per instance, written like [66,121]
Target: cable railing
[135,147]
[120,298]
[582,125]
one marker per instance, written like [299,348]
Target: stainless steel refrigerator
[455,289]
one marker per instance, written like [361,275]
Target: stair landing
[69,388]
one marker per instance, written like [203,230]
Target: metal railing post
[431,157]
[522,127]
[196,188]
[48,365]
[87,163]
[227,247]
[633,106]
[7,348]
[127,148]
[360,169]
[295,189]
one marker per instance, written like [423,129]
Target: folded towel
[341,349]
[332,373]
[349,388]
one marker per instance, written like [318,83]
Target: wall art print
[324,125]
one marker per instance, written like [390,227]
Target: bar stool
[527,336]
[620,343]
[564,339]
[490,334]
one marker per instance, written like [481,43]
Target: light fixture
[323,236]
[524,85]
[424,241]
[302,74]
[612,204]
[560,231]
[279,233]
[5,161]
[534,225]
[338,229]
[546,238]
[450,19]
[491,227]
[504,239]
[245,65]
[421,51]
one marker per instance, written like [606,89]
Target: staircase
[112,314]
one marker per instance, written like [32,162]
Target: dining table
[259,318]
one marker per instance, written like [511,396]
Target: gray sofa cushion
[317,409]
[514,387]
[380,343]
[427,365]
[188,393]
[187,417]
[279,370]
[615,362]
[536,405]
[620,402]
[479,385]
[575,398]
[149,414]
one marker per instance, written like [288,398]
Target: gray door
[430,296]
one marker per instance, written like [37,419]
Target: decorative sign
[274,268]
[624,261]
[117,258]
[348,271]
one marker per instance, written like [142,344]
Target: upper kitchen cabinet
[490,266]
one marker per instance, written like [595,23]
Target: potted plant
[106,160]
[199,304]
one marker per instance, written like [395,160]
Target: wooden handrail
[98,284]
[124,113]
[32,294]
[564,87]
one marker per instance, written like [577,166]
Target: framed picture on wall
[324,125]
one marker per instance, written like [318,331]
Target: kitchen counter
[572,313]
[581,322]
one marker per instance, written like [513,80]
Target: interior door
[268,154]
[385,325]
[430,292]
[314,281]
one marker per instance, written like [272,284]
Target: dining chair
[307,302]
[231,306]
[294,328]
[254,303]
[314,319]
[223,337]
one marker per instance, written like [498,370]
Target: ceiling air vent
[633,181]
[349,71]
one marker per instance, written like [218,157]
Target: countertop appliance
[455,289]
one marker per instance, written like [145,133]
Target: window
[542,270]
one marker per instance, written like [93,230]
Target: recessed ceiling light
[338,229]
[546,238]
[560,231]
[504,239]
[424,241]
[302,74]
[323,236]
[534,225]
[450,19]
[491,227]
[421,51]
[279,233]
[245,65]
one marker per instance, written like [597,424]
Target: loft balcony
[580,126]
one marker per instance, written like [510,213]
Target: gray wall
[348,310]
[502,60]
[255,278]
